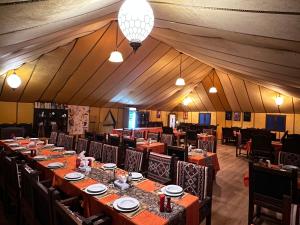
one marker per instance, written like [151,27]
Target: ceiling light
[279,100]
[213,90]
[180,81]
[136,21]
[116,56]
[14,81]
[187,101]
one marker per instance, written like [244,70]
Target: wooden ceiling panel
[255,98]
[268,97]
[202,94]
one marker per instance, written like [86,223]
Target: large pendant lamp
[180,81]
[116,56]
[136,21]
[213,89]
[14,81]
[279,100]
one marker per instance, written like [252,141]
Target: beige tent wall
[13,112]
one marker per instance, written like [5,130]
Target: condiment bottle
[162,203]
[78,161]
[168,207]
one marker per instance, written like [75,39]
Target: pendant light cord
[117,36]
[180,64]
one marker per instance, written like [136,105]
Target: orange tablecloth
[156,147]
[211,159]
[146,129]
[206,137]
[93,204]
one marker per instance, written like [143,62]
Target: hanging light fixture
[116,56]
[136,21]
[14,81]
[180,81]
[187,101]
[213,89]
[279,100]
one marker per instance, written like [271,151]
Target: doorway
[172,120]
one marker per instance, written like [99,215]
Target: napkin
[121,185]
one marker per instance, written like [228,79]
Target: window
[275,122]
[132,118]
[204,119]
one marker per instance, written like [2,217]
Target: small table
[178,135]
[277,145]
[156,147]
[210,159]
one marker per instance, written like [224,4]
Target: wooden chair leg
[250,213]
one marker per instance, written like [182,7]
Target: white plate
[129,204]
[136,176]
[19,138]
[13,145]
[109,165]
[163,190]
[74,176]
[40,157]
[173,189]
[290,167]
[26,152]
[58,148]
[55,165]
[48,145]
[20,148]
[69,152]
[8,140]
[33,139]
[96,188]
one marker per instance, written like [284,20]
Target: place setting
[40,157]
[109,166]
[137,177]
[127,205]
[55,165]
[172,190]
[74,176]
[96,189]
[69,152]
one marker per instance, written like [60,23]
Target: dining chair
[291,144]
[61,140]
[159,168]
[82,145]
[110,154]
[138,134]
[191,138]
[133,160]
[261,147]
[100,137]
[272,189]
[95,150]
[114,140]
[197,180]
[129,142]
[89,136]
[167,139]
[70,212]
[181,153]
[288,158]
[53,138]
[240,145]
[69,142]
[153,136]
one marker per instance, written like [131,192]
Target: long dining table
[185,209]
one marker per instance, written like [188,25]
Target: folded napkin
[121,185]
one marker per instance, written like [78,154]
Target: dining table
[199,158]
[156,147]
[185,208]
[179,134]
[277,146]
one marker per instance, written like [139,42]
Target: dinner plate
[33,139]
[40,157]
[74,176]
[69,152]
[136,176]
[26,152]
[58,149]
[163,190]
[13,145]
[126,204]
[173,189]
[19,138]
[8,140]
[48,145]
[290,167]
[96,189]
[55,165]
[109,165]
[20,148]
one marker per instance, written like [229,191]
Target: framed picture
[236,116]
[185,115]
[228,115]
[247,116]
[158,114]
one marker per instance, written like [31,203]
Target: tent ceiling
[251,48]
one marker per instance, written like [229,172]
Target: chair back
[82,145]
[114,140]
[208,145]
[133,160]
[69,142]
[11,178]
[95,150]
[159,168]
[53,138]
[191,135]
[100,137]
[208,131]
[194,179]
[110,154]
[138,133]
[262,146]
[89,136]
[153,136]
[129,142]
[181,153]
[167,139]
[61,140]
[288,158]
[167,130]
[291,144]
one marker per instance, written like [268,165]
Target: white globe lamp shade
[279,100]
[180,82]
[187,101]
[213,90]
[116,57]
[136,21]
[14,81]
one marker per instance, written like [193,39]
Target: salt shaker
[168,207]
[162,203]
